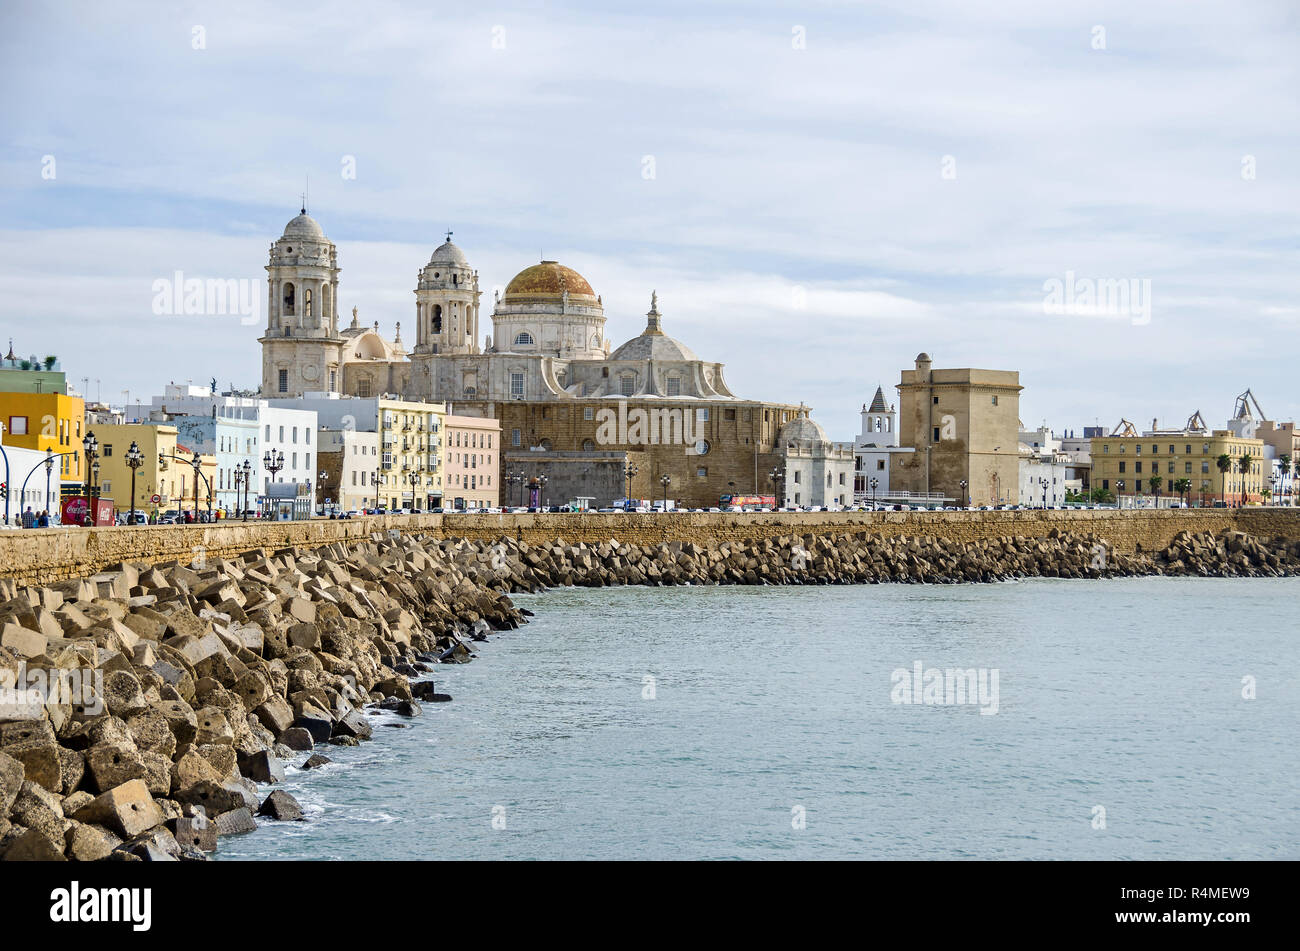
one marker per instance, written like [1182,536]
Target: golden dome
[548,281]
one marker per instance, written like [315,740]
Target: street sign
[155,499]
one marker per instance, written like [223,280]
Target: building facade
[471,462]
[1211,461]
[963,425]
[873,451]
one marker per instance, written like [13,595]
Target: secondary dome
[547,281]
[304,225]
[803,429]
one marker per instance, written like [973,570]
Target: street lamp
[273,462]
[665,481]
[629,470]
[134,459]
[91,445]
[246,470]
[964,497]
[1043,483]
[414,479]
[541,481]
[49,469]
[777,475]
[873,483]
[1119,491]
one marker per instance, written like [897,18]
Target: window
[284,381]
[841,478]
[627,385]
[729,414]
[702,414]
[108,450]
[1187,468]
[281,434]
[288,299]
[796,477]
[588,445]
[1205,466]
[268,432]
[1171,467]
[936,435]
[586,412]
[334,381]
[514,437]
[523,339]
[674,386]
[363,387]
[995,401]
[517,385]
[306,435]
[1121,466]
[880,465]
[295,436]
[1105,449]
[935,400]
[1137,466]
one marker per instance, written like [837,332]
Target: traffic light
[4,488]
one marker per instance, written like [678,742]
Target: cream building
[349,460]
[818,472]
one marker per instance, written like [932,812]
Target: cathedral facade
[548,371]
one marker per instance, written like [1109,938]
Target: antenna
[306,194]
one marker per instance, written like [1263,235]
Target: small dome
[303,226]
[547,281]
[803,429]
[923,357]
[448,253]
[658,346]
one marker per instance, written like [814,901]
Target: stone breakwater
[147,705]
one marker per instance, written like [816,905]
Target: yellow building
[47,422]
[1125,464]
[410,446]
[171,479]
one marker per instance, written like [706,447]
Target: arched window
[436,325]
[627,385]
[288,300]
[588,445]
[307,303]
[595,341]
[523,339]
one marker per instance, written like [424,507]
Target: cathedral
[547,343]
[547,370]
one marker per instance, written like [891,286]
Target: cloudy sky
[817,191]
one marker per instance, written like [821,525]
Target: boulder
[282,807]
[236,822]
[262,767]
[89,843]
[128,809]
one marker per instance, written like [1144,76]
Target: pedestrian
[43,520]
[29,519]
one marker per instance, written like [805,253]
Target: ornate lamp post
[873,483]
[965,499]
[629,471]
[665,481]
[91,445]
[777,475]
[1119,490]
[246,470]
[1043,482]
[134,459]
[273,462]
[414,479]
[516,478]
[541,481]
[49,469]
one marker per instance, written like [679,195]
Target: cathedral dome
[547,281]
[448,253]
[303,226]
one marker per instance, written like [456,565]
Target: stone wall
[43,556]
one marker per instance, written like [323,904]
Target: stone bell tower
[302,350]
[446,304]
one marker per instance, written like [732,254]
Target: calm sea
[726,723]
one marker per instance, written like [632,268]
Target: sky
[817,191]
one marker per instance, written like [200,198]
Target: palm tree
[50,361]
[1182,487]
[1224,462]
[1244,464]
[1284,466]
[1155,482]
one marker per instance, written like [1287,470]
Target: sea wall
[42,556]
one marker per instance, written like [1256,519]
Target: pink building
[471,448]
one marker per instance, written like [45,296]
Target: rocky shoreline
[143,707]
